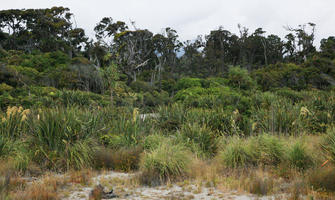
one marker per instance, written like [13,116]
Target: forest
[250,112]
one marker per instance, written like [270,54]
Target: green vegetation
[255,102]
[166,162]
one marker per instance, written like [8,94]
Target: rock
[109,195]
[98,193]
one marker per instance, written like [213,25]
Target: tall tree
[328,47]
[302,41]
[221,50]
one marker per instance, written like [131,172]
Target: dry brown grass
[126,159]
[45,189]
[202,171]
[82,177]
[322,179]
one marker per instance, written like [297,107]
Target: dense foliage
[70,102]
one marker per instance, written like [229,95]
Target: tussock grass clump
[82,177]
[237,154]
[260,185]
[299,157]
[48,188]
[270,149]
[201,137]
[153,141]
[168,162]
[322,178]
[12,124]
[15,150]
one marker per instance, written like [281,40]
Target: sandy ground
[124,186]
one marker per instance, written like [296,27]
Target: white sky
[194,17]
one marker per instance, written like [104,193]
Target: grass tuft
[166,163]
[236,154]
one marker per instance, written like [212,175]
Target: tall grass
[16,151]
[12,124]
[237,154]
[171,117]
[328,144]
[64,139]
[127,130]
[166,162]
[201,137]
[271,150]
[299,157]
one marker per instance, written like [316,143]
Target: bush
[290,75]
[185,83]
[5,88]
[240,78]
[168,85]
[155,98]
[141,86]
[167,162]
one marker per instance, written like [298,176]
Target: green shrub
[5,88]
[167,162]
[141,86]
[290,75]
[185,83]
[192,93]
[168,85]
[154,98]
[240,78]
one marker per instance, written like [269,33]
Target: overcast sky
[194,17]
